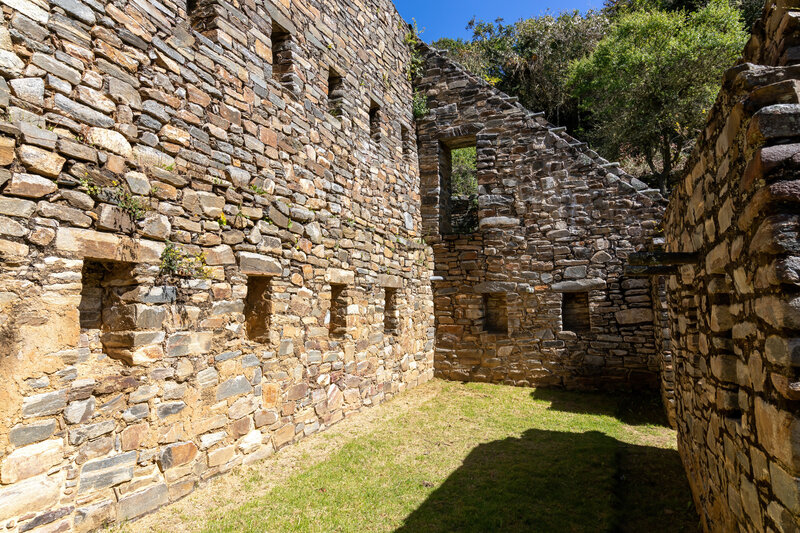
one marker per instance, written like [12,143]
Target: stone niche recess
[182,187]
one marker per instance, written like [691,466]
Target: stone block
[107,472]
[31,495]
[782,351]
[177,454]
[251,442]
[163,410]
[283,436]
[143,501]
[109,140]
[221,456]
[93,517]
[233,387]
[339,276]
[23,434]
[637,315]
[257,264]
[30,186]
[31,460]
[778,431]
[48,403]
[189,343]
[581,285]
[40,161]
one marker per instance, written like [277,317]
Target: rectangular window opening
[391,314]
[374,120]
[458,170]
[335,93]
[258,308]
[281,53]
[103,311]
[338,311]
[575,314]
[495,308]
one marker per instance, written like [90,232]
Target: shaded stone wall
[556,224]
[735,312]
[123,128]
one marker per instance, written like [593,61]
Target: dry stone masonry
[735,308]
[222,230]
[536,294]
[210,242]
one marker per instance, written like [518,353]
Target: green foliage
[175,261]
[648,84]
[749,10]
[419,104]
[416,62]
[530,58]
[133,205]
[464,172]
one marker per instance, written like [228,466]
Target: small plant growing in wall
[416,61]
[419,105]
[177,262]
[134,206]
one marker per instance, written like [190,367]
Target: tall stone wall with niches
[556,224]
[735,311]
[209,242]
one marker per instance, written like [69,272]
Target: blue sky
[448,18]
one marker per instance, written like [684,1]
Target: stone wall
[179,200]
[556,224]
[735,311]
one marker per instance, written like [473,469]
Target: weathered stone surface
[47,403]
[40,161]
[30,495]
[29,89]
[256,264]
[634,316]
[31,460]
[233,387]
[107,472]
[30,186]
[24,434]
[110,140]
[177,454]
[142,502]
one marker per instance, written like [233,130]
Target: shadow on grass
[633,408]
[556,482]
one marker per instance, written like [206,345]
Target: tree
[649,83]
[530,58]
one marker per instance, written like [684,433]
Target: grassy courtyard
[454,457]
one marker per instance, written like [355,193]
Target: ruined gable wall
[555,219]
[735,312]
[121,110]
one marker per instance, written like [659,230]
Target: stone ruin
[222,230]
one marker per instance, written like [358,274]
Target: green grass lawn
[465,457]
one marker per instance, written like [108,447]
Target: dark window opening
[374,121]
[458,174]
[575,314]
[495,308]
[336,93]
[191,5]
[281,54]
[258,308]
[105,312]
[338,311]
[405,140]
[391,314]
